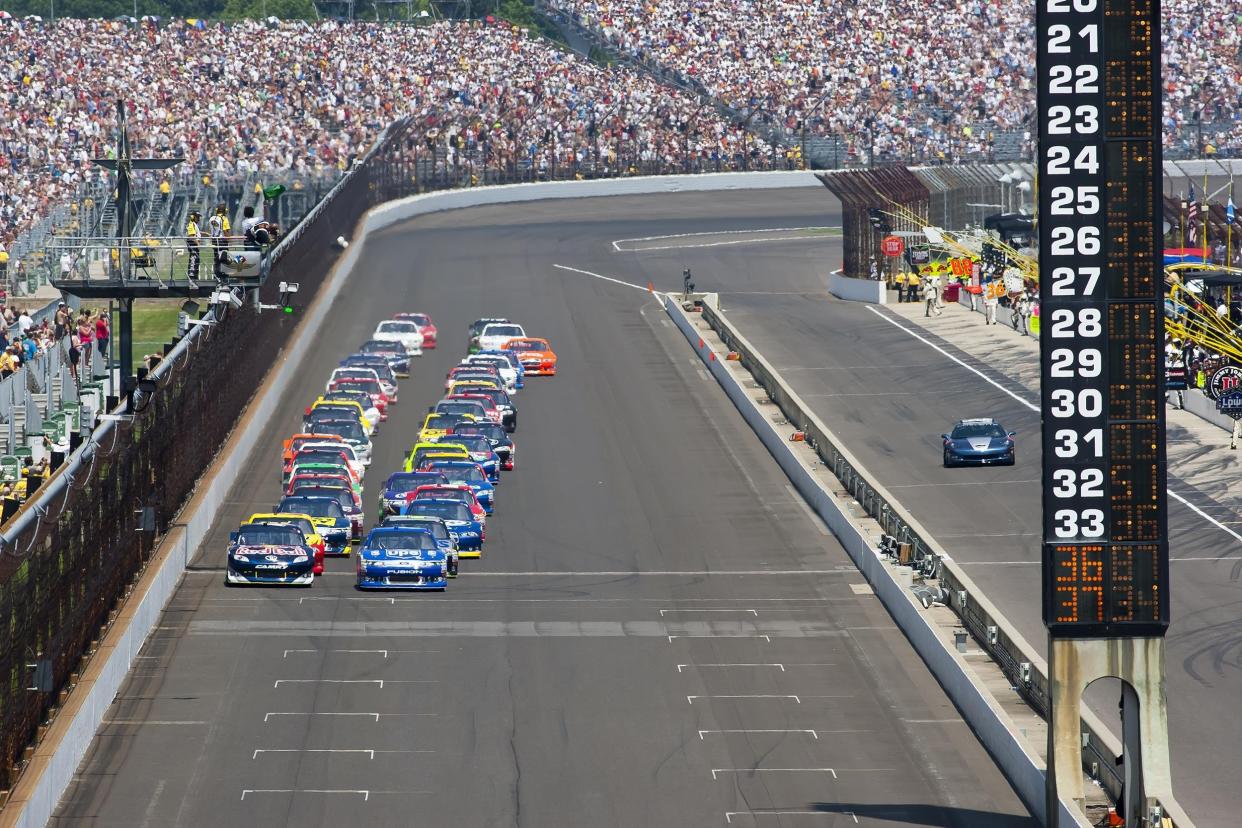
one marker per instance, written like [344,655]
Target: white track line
[773,770]
[600,276]
[1033,407]
[718,233]
[366,795]
[729,815]
[814,735]
[681,667]
[714,244]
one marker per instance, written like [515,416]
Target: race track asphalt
[659,632]
[889,397]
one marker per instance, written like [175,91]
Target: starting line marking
[368,751]
[730,814]
[781,667]
[796,699]
[814,735]
[366,795]
[267,716]
[751,611]
[773,770]
[383,652]
[279,682]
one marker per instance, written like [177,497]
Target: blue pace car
[392,499]
[471,474]
[402,558]
[465,531]
[983,441]
[262,553]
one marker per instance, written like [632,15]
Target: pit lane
[658,633]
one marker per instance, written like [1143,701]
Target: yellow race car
[436,426]
[437,451]
[345,407]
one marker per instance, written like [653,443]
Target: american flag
[1191,215]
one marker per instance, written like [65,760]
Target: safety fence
[72,553]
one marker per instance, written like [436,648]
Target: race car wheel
[947,461]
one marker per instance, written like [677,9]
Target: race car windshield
[464,475]
[481,324]
[966,432]
[360,397]
[425,522]
[529,345]
[448,511]
[320,507]
[461,407]
[444,422]
[303,526]
[379,346]
[403,540]
[349,429]
[342,495]
[502,330]
[319,456]
[479,443]
[261,535]
[409,484]
[491,431]
[418,319]
[397,327]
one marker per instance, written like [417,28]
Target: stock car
[438,529]
[350,430]
[422,453]
[402,558]
[295,443]
[490,411]
[326,449]
[459,492]
[469,473]
[266,554]
[509,357]
[315,454]
[481,452]
[378,364]
[505,369]
[366,392]
[436,426]
[466,371]
[398,359]
[328,516]
[344,408]
[343,495]
[496,396]
[495,335]
[474,408]
[372,413]
[465,530]
[536,354]
[303,473]
[404,333]
[424,323]
[498,436]
[476,328]
[981,440]
[302,523]
[398,484]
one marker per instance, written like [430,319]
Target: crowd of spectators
[255,95]
[933,80]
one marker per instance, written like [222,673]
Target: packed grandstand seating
[903,79]
[939,80]
[319,96]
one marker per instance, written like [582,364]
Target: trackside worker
[193,237]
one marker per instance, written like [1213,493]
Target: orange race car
[535,354]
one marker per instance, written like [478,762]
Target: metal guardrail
[1021,664]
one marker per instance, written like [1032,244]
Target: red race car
[424,323]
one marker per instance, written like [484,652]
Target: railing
[1021,664]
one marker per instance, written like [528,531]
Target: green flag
[272,191]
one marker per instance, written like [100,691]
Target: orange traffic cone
[650,287]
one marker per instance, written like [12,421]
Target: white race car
[409,335]
[495,335]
